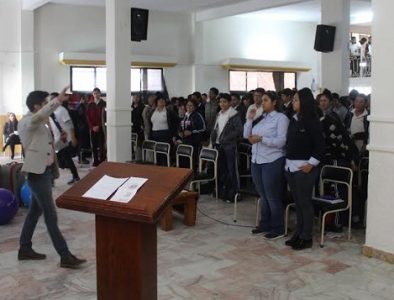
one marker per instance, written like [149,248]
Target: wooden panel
[126,259]
[163,184]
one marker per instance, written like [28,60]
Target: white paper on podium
[105,187]
[127,191]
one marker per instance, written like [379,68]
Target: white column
[335,65]
[118,80]
[380,217]
[27,55]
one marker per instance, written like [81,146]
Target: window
[85,79]
[243,81]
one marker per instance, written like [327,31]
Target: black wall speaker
[325,36]
[139,24]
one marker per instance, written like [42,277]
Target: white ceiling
[287,10]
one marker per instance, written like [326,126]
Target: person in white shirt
[225,136]
[256,108]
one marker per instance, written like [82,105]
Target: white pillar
[335,65]
[27,56]
[380,217]
[118,80]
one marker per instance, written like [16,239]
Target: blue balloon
[25,194]
[8,206]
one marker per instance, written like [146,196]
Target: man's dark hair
[260,91]
[287,92]
[197,94]
[236,95]
[34,98]
[96,89]
[225,96]
[54,94]
[328,94]
[204,94]
[214,90]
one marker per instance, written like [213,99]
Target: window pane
[101,79]
[83,79]
[266,81]
[155,80]
[290,80]
[135,80]
[237,81]
[252,81]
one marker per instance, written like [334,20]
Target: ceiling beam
[33,4]
[241,8]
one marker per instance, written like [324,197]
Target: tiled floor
[208,261]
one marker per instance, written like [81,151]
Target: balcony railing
[360,66]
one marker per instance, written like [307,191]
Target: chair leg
[287,218]
[323,223]
[216,188]
[235,207]
[258,203]
[350,225]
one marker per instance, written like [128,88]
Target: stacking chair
[330,175]
[210,156]
[162,149]
[134,143]
[148,149]
[334,175]
[186,151]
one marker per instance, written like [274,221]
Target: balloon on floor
[8,206]
[25,194]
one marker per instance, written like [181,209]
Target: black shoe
[30,255]
[258,230]
[73,180]
[273,236]
[294,239]
[71,262]
[302,244]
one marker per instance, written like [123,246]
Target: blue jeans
[301,186]
[269,181]
[42,202]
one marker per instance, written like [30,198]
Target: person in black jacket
[191,129]
[225,137]
[10,133]
[164,125]
[304,151]
[287,99]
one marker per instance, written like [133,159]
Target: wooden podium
[126,240]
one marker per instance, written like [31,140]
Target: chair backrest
[184,150]
[209,154]
[164,149]
[148,146]
[337,174]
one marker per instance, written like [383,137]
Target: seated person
[11,137]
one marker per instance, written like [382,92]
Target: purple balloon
[8,206]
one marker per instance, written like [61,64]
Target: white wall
[252,38]
[380,221]
[82,29]
[10,56]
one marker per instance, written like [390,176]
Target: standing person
[40,166]
[257,105]
[192,128]
[138,123]
[338,107]
[196,96]
[146,115]
[10,133]
[164,124]
[287,100]
[65,142]
[268,139]
[95,112]
[225,137]
[238,106]
[304,151]
[357,124]
[211,109]
[83,134]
